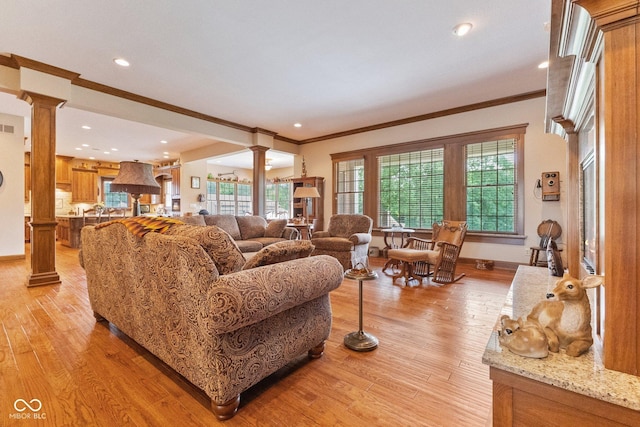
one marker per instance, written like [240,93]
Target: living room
[542,152]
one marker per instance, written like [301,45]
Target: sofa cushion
[227,222]
[333,243]
[249,245]
[251,226]
[216,242]
[286,250]
[275,227]
[193,220]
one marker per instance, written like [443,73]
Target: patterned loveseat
[182,294]
[250,232]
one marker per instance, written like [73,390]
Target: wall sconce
[136,179]
[267,165]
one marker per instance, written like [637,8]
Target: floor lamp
[306,193]
[136,179]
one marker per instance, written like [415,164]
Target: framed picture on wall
[195,182]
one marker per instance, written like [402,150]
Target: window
[491,189]
[228,198]
[476,176]
[111,199]
[350,188]
[411,188]
[278,200]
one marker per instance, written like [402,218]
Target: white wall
[543,152]
[12,189]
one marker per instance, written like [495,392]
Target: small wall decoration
[195,182]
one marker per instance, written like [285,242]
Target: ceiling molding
[436,114]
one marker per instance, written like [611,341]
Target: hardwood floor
[427,370]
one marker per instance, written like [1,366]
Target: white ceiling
[332,65]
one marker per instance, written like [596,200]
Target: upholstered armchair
[347,238]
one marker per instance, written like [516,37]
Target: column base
[42,279]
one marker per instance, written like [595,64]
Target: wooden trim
[429,116]
[12,257]
[439,141]
[44,68]
[98,87]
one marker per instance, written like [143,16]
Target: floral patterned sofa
[250,232]
[181,292]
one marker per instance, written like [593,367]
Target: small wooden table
[303,229]
[391,232]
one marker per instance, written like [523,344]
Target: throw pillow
[275,228]
[279,252]
[217,243]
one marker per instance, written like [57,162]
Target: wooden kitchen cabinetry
[84,186]
[27,176]
[175,182]
[315,206]
[62,231]
[153,199]
[63,171]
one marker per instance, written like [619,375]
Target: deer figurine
[565,316]
[523,337]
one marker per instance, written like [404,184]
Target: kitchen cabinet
[27,229]
[315,206]
[153,199]
[175,182]
[62,231]
[63,171]
[27,176]
[84,186]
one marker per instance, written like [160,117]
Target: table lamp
[136,179]
[305,193]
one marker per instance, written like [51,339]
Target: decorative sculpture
[565,316]
[524,338]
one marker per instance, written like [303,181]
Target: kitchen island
[69,226]
[559,389]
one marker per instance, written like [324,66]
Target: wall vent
[7,128]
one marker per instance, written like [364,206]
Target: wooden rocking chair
[441,252]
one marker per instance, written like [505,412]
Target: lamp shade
[135,178]
[303,192]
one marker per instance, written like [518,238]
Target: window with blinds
[350,186]
[411,191]
[491,180]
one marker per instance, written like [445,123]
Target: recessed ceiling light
[163,142]
[165,152]
[86,127]
[114,149]
[78,149]
[92,158]
[85,145]
[121,62]
[544,64]
[297,125]
[166,157]
[462,29]
[107,152]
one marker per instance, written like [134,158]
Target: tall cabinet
[315,206]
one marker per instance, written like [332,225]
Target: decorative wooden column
[619,112]
[43,178]
[259,177]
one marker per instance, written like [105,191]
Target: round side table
[360,340]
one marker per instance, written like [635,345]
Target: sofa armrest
[290,233]
[321,234]
[360,238]
[250,296]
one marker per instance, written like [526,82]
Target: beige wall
[543,152]
[12,190]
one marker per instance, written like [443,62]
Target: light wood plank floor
[427,370]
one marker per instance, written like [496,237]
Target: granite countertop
[584,375]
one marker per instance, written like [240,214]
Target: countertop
[585,374]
